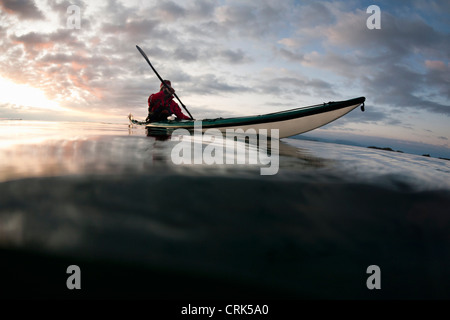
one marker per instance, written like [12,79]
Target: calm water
[109,199]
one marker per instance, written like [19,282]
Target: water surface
[110,199]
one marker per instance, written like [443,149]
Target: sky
[77,60]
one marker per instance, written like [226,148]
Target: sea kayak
[289,123]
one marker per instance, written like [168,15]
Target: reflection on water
[121,154]
[28,149]
[61,149]
[379,167]
[33,131]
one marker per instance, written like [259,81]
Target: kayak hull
[288,123]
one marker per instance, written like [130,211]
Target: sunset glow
[26,96]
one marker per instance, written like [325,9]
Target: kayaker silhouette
[161,106]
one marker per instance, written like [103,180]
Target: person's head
[162,87]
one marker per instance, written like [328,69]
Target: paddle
[162,81]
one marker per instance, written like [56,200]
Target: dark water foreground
[140,227]
[226,238]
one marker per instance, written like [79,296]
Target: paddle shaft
[162,81]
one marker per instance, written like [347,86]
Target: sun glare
[26,96]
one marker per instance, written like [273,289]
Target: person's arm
[180,115]
[177,111]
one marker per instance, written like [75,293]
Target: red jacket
[157,100]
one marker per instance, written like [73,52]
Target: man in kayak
[161,105]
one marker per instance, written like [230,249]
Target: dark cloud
[382,61]
[252,20]
[2,34]
[313,14]
[403,36]
[438,77]
[36,43]
[61,58]
[25,9]
[292,87]
[169,11]
[133,30]
[210,30]
[199,53]
[43,39]
[202,9]
[58,58]
[401,86]
[290,55]
[31,38]
[207,84]
[116,12]
[186,54]
[234,56]
[319,84]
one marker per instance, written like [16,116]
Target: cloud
[36,43]
[381,61]
[234,56]
[208,84]
[81,67]
[170,11]
[202,9]
[400,86]
[398,36]
[24,9]
[253,20]
[290,87]
[221,48]
[186,54]
[290,55]
[438,77]
[436,65]
[314,14]
[131,27]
